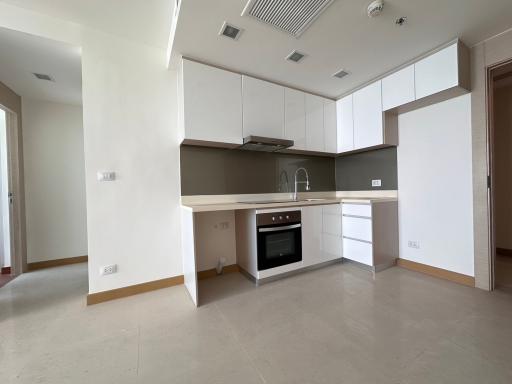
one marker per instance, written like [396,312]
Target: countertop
[225,206]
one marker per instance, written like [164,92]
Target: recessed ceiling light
[229,30]
[42,76]
[341,74]
[295,56]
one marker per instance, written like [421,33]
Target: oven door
[279,245]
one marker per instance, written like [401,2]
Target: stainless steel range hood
[265,144]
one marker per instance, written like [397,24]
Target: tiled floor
[334,325]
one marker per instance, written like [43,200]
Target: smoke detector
[375,8]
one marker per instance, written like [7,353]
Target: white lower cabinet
[370,232]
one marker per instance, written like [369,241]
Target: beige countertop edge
[240,205]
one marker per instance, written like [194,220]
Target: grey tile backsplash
[215,171]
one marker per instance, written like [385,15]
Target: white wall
[130,126]
[54,180]
[130,119]
[4,261]
[435,185]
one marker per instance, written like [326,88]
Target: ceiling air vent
[295,56]
[341,74]
[291,16]
[230,31]
[42,76]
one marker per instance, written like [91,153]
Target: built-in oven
[279,237]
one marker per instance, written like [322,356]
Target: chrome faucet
[301,182]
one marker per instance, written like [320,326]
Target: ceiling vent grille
[292,16]
[341,74]
[42,76]
[295,56]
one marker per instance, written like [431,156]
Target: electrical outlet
[413,244]
[377,183]
[224,225]
[106,176]
[108,269]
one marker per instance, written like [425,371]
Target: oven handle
[275,229]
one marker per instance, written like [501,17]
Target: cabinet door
[314,123]
[311,235]
[368,117]
[437,72]
[263,108]
[212,103]
[398,88]
[295,117]
[345,124]
[330,135]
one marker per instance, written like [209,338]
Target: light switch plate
[106,176]
[376,183]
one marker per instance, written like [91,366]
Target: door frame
[15,180]
[490,166]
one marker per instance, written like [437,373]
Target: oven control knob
[273,218]
[280,217]
[287,217]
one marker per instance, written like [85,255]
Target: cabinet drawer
[357,209]
[332,246]
[331,224]
[358,251]
[357,228]
[333,209]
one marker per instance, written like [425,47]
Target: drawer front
[357,228]
[331,224]
[357,209]
[333,209]
[358,251]
[332,246]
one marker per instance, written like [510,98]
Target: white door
[311,235]
[263,108]
[212,104]
[314,123]
[368,117]
[295,117]
[398,88]
[330,134]
[345,124]
[437,72]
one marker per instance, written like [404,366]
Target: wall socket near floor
[377,183]
[108,269]
[413,244]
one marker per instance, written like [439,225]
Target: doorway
[500,171]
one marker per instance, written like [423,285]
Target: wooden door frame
[490,166]
[18,255]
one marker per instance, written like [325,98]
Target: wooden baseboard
[56,263]
[100,297]
[201,275]
[6,271]
[437,272]
[504,251]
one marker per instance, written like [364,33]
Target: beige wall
[10,100]
[483,55]
[503,166]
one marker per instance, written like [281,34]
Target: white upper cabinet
[437,72]
[263,108]
[368,116]
[345,122]
[295,117]
[314,123]
[398,88]
[210,104]
[330,134]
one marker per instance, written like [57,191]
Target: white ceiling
[21,55]
[143,21]
[342,37]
